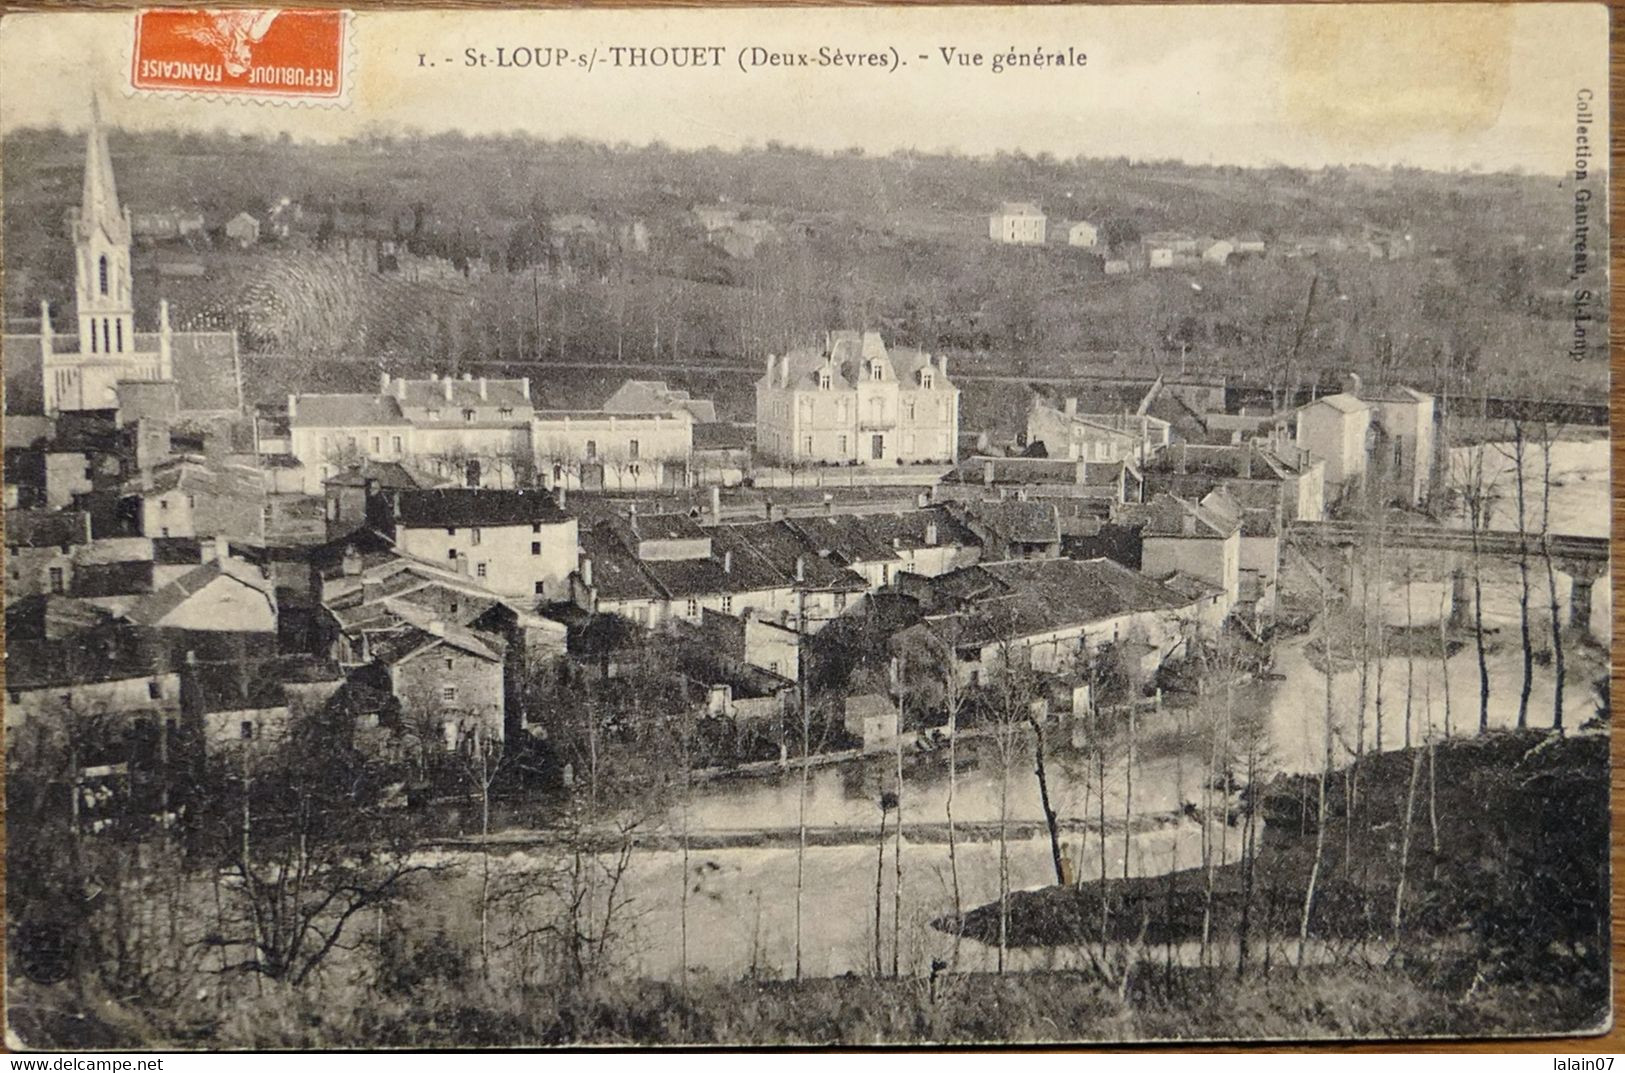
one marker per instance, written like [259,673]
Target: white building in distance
[1018,223]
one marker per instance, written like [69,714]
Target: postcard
[805,526]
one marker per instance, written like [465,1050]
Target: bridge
[1584,559]
[1499,543]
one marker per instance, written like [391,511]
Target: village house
[851,401]
[224,594]
[596,451]
[1044,613]
[346,493]
[1182,537]
[1097,437]
[1012,528]
[1018,223]
[189,497]
[39,550]
[243,230]
[448,681]
[723,454]
[1336,429]
[516,542]
[871,718]
[93,684]
[150,226]
[1032,477]
[1295,479]
[824,586]
[1255,510]
[1169,249]
[1083,235]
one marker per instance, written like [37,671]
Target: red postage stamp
[255,52]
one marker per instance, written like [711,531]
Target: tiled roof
[346,411]
[108,654]
[1021,521]
[460,507]
[46,528]
[844,536]
[1040,595]
[1166,516]
[645,396]
[720,436]
[151,609]
[431,394]
[781,546]
[1019,208]
[111,579]
[616,572]
[1343,402]
[387,474]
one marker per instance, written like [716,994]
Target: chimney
[467,377]
[400,387]
[1187,524]
[801,568]
[524,386]
[987,471]
[1072,406]
[586,571]
[293,407]
[1351,383]
[942,362]
[728,561]
[784,370]
[45,320]
[351,564]
[922,500]
[222,547]
[984,442]
[445,387]
[716,505]
[383,383]
[772,363]
[483,395]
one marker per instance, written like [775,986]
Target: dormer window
[823,380]
[876,371]
[468,415]
[926,379]
[434,413]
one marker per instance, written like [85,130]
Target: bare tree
[1517,454]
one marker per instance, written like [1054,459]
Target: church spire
[99,205]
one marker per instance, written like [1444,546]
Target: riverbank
[456,1009]
[1484,856]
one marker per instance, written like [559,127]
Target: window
[535,547]
[843,445]
[14,696]
[102,273]
[56,579]
[840,601]
[449,662]
[164,531]
[592,448]
[191,501]
[634,470]
[806,445]
[877,371]
[538,588]
[452,554]
[468,415]
[908,409]
[926,379]
[448,694]
[163,504]
[451,530]
[155,689]
[558,476]
[479,570]
[395,444]
[247,730]
[118,334]
[632,449]
[693,608]
[727,605]
[505,411]
[823,380]
[377,444]
[535,527]
[474,535]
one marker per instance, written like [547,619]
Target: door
[877,447]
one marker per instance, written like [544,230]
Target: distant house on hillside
[243,229]
[1218,252]
[1083,234]
[1167,249]
[1018,223]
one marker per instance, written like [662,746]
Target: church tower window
[102,273]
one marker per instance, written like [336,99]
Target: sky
[1454,87]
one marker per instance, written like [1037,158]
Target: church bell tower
[101,237]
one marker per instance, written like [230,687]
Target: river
[741,901]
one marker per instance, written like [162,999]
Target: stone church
[53,372]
